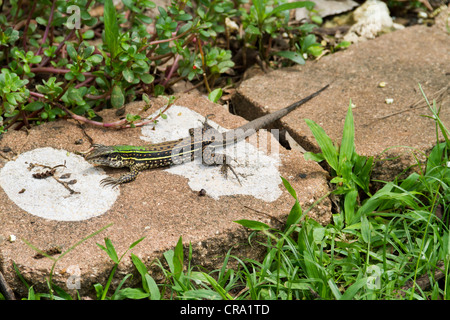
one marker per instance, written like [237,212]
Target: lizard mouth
[97,162]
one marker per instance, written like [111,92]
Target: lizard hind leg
[210,158]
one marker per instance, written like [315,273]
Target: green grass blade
[111,28]
[19,275]
[152,287]
[295,215]
[348,138]
[309,5]
[253,225]
[178,258]
[131,293]
[289,188]
[334,289]
[351,291]
[111,251]
[349,206]
[218,288]
[326,145]
[142,269]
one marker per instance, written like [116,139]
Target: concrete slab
[402,59]
[159,205]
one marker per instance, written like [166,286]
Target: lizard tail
[271,117]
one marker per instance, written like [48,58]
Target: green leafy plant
[119,294]
[13,92]
[267,18]
[76,71]
[56,292]
[350,171]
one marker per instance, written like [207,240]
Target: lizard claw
[224,170]
[110,182]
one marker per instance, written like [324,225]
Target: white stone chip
[46,198]
[257,172]
[371,18]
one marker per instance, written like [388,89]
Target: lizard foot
[224,170]
[110,182]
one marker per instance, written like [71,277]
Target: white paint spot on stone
[46,198]
[257,172]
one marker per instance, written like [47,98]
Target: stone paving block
[158,205]
[402,59]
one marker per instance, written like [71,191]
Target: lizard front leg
[127,177]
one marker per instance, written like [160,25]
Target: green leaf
[88,34]
[35,59]
[98,289]
[130,293]
[72,52]
[80,77]
[111,28]
[136,243]
[111,251]
[159,90]
[128,75]
[318,157]
[353,289]
[146,98]
[350,205]
[292,5]
[95,59]
[289,188]
[143,18]
[61,293]
[147,78]
[315,50]
[178,258]
[294,215]
[69,76]
[260,10]
[251,29]
[33,106]
[308,41]
[153,288]
[74,95]
[372,203]
[365,229]
[149,285]
[140,266]
[117,98]
[184,17]
[219,289]
[343,44]
[168,255]
[11,97]
[348,139]
[317,19]
[88,51]
[293,56]
[215,95]
[326,145]
[254,225]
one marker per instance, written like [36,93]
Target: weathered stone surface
[402,59]
[158,205]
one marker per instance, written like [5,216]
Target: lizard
[200,142]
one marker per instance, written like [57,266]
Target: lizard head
[105,155]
